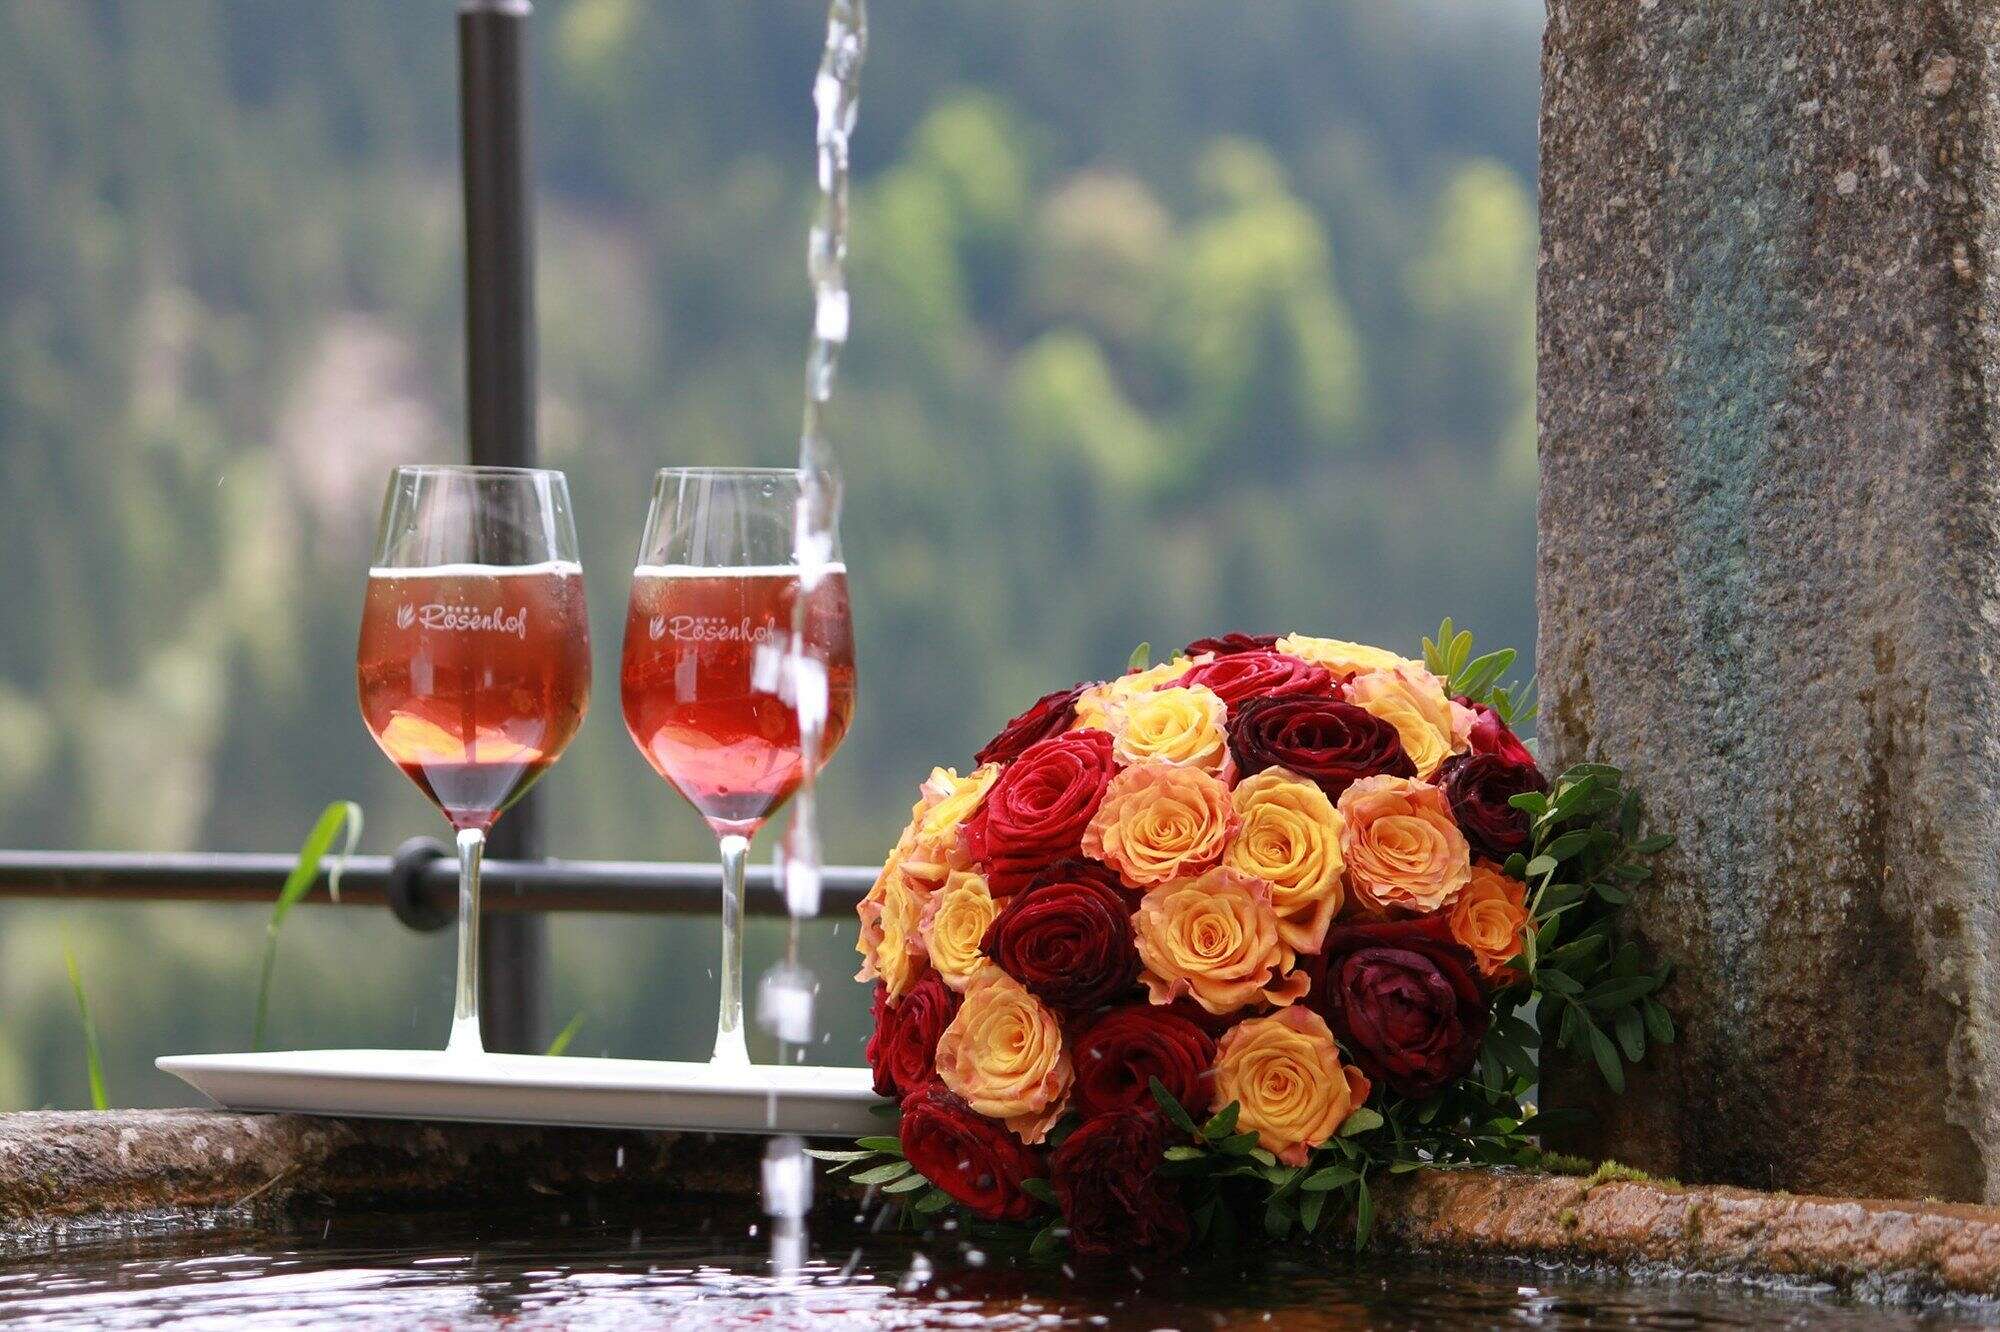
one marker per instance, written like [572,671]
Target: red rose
[975,1160]
[1121,1053]
[1246,675]
[1067,937]
[1230,644]
[1051,714]
[1106,1176]
[1491,736]
[902,1049]
[1478,787]
[1036,813]
[1323,739]
[1405,1000]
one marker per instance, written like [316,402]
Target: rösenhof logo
[465,619]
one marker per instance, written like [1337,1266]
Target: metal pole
[500,406]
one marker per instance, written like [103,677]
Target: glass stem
[465,1004]
[730,1048]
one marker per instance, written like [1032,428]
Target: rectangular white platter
[536,1089]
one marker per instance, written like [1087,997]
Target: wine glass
[474,663]
[707,658]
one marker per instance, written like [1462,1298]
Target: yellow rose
[1290,838]
[1285,1075]
[1094,705]
[1339,656]
[1004,1054]
[1183,727]
[1215,938]
[1413,701]
[891,947]
[954,924]
[1403,850]
[948,801]
[1157,823]
[1490,917]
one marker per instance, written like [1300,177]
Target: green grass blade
[305,872]
[93,1056]
[565,1036]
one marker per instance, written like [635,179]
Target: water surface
[706,1264]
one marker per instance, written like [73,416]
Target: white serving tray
[537,1089]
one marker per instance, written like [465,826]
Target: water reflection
[703,1263]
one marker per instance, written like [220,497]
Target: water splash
[786,992]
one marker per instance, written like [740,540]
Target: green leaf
[1561,982]
[881,1143]
[305,872]
[1534,802]
[1048,1242]
[1040,1190]
[822,1154]
[1541,865]
[1361,1121]
[1310,1208]
[1184,1153]
[1223,1123]
[882,1174]
[1174,1112]
[1659,1023]
[910,1183]
[1277,1221]
[934,1201]
[1630,1029]
[565,1036]
[1142,657]
[1606,1055]
[1241,1144]
[93,1055]
[1333,1177]
[1617,993]
[1652,846]
[1573,842]
[1364,1214]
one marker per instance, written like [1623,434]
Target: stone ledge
[59,1167]
[1863,1246]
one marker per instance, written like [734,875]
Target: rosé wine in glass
[701,645]
[474,678]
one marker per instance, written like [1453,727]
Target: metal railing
[418,885]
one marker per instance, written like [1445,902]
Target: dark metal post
[500,405]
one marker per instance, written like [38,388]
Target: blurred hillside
[1172,317]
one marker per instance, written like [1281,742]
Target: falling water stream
[785,994]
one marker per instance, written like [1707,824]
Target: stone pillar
[1770,563]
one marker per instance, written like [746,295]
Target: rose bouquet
[1230,934]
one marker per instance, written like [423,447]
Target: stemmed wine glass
[474,663]
[707,652]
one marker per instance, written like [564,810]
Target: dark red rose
[1246,675]
[1478,787]
[978,1162]
[1405,1000]
[1116,1059]
[1329,741]
[1491,736]
[1051,714]
[1107,1180]
[903,1047]
[1036,813]
[1067,937]
[1230,644]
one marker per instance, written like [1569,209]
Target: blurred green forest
[1171,317]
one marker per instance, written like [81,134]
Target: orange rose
[948,801]
[1290,839]
[1094,705]
[891,945]
[954,922]
[1004,1054]
[1403,850]
[1490,917]
[1159,823]
[1180,726]
[1413,701]
[1216,939]
[1285,1076]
